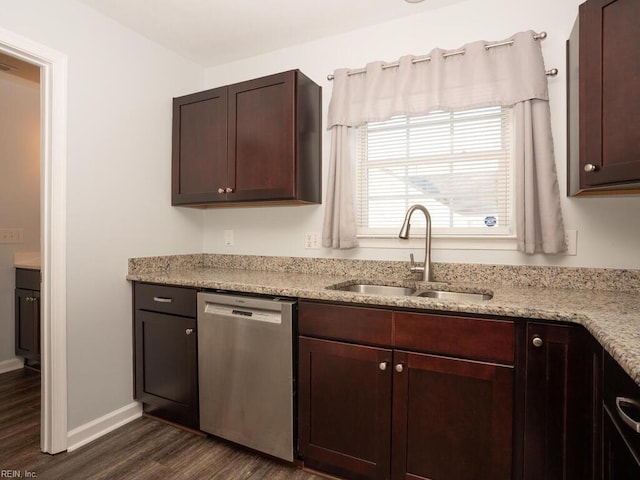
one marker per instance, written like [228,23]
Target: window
[457,164]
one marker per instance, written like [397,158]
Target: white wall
[608,228]
[119,144]
[19,188]
[120,87]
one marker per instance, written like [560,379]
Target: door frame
[53,221]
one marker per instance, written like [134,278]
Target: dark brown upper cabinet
[603,61]
[254,142]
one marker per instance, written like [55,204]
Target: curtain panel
[510,75]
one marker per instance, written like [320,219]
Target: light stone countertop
[611,316]
[29,260]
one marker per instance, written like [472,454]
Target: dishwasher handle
[247,313]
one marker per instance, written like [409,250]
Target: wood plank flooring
[145,449]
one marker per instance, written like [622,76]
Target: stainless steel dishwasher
[245,370]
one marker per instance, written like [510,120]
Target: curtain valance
[480,77]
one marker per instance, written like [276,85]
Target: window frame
[453,237]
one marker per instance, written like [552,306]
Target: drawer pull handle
[382,366]
[537,341]
[628,402]
[162,299]
[399,368]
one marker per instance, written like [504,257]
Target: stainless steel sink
[378,289]
[455,296]
[401,291]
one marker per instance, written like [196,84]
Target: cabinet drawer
[473,338]
[352,324]
[165,299]
[28,279]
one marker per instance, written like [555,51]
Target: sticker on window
[491,221]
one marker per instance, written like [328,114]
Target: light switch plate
[312,240]
[571,237]
[11,235]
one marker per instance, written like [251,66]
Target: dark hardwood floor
[143,449]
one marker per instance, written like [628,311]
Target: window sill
[440,243]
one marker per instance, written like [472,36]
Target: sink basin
[378,289]
[455,296]
[400,291]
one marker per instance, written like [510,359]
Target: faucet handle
[415,267]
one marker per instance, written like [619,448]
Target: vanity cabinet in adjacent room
[27,315]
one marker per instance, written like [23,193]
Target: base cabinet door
[621,423]
[166,366]
[620,462]
[345,408]
[557,417]
[27,326]
[452,418]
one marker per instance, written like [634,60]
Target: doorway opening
[53,101]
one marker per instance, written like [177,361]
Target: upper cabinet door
[252,142]
[604,65]
[199,160]
[262,138]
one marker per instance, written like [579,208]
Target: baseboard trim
[90,431]
[11,364]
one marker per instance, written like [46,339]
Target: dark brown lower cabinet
[621,423]
[166,355]
[452,418]
[375,412]
[27,315]
[620,463]
[558,397]
[27,305]
[345,408]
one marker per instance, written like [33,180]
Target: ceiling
[212,32]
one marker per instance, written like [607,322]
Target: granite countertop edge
[612,317]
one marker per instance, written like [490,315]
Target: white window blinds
[457,164]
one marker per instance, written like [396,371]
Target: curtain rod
[538,36]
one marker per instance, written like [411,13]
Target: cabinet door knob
[382,366]
[590,167]
[228,190]
[221,190]
[537,341]
[399,368]
[189,331]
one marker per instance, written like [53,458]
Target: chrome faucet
[404,234]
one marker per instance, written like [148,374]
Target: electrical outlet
[11,235]
[311,240]
[571,238]
[228,238]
